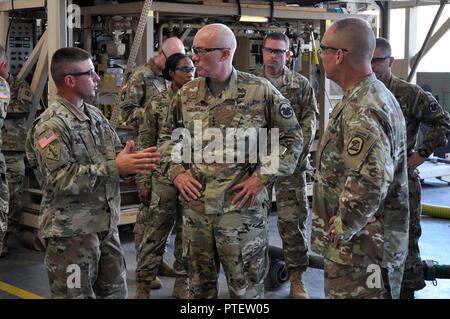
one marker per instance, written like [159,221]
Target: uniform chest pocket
[85,149]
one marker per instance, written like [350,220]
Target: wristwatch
[423,152]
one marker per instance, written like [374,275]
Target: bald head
[217,35]
[355,35]
[173,45]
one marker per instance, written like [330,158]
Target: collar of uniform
[81,116]
[170,91]
[284,74]
[363,83]
[230,91]
[154,67]
[391,83]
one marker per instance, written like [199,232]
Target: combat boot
[298,290]
[181,288]
[143,290]
[156,283]
[4,247]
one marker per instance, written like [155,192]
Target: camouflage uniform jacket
[15,126]
[362,174]
[5,98]
[155,115]
[144,83]
[75,153]
[418,107]
[296,88]
[247,103]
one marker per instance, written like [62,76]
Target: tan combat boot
[143,290]
[181,288]
[156,283]
[298,290]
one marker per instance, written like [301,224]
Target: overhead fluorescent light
[245,18]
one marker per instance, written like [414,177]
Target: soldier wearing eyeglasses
[13,147]
[418,107]
[292,202]
[142,86]
[164,211]
[80,160]
[360,201]
[225,201]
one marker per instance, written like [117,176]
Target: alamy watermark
[73,14]
[239,145]
[74,278]
[374,280]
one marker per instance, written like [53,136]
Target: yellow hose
[436,211]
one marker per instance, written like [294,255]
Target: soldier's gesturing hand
[188,186]
[251,187]
[129,162]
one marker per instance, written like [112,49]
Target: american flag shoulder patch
[47,138]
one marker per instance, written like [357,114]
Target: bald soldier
[13,143]
[292,203]
[5,95]
[360,205]
[224,192]
[418,107]
[145,84]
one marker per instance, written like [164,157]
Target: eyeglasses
[91,73]
[323,48]
[201,51]
[186,69]
[379,60]
[275,51]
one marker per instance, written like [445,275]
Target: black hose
[314,260]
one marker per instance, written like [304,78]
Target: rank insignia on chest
[355,146]
[286,111]
[47,139]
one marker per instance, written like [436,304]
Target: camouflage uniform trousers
[358,282]
[152,229]
[414,277]
[239,239]
[15,166]
[101,262]
[292,210]
[4,199]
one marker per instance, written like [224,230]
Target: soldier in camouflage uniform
[142,86]
[78,155]
[164,210]
[225,200]
[13,132]
[4,193]
[418,107]
[292,202]
[360,204]
[145,82]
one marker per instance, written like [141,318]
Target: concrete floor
[24,268]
